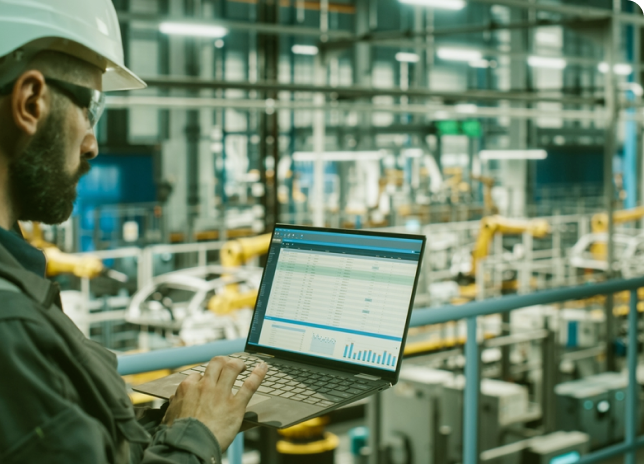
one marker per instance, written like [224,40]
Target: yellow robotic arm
[488,183]
[59,262]
[233,254]
[599,222]
[492,225]
[63,263]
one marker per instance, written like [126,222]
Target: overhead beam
[433,110]
[572,10]
[190,83]
[153,21]
[388,36]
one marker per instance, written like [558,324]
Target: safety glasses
[83,97]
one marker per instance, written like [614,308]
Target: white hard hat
[86,29]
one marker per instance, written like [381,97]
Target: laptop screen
[334,295]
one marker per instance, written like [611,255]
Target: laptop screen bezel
[388,375]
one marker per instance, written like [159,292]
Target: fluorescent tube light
[442,4]
[546,62]
[459,54]
[466,108]
[479,64]
[193,30]
[548,37]
[621,69]
[405,57]
[311,50]
[339,155]
[485,155]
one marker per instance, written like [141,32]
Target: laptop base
[263,409]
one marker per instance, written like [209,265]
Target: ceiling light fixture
[339,155]
[193,30]
[546,62]
[405,57]
[485,155]
[466,108]
[621,69]
[548,37]
[310,50]
[442,4]
[479,63]
[459,54]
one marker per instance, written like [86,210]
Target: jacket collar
[38,288]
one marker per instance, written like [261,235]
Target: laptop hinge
[263,355]
[367,377]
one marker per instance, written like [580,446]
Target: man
[61,398]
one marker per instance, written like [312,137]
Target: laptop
[330,321]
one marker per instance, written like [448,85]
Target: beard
[41,187]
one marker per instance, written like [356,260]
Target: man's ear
[29,101]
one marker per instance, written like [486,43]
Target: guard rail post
[471,394]
[631,392]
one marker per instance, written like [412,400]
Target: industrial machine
[556,448]
[594,405]
[422,414]
[502,404]
[411,415]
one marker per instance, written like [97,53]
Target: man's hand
[210,398]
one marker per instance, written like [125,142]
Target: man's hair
[57,65]
[60,66]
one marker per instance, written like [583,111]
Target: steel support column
[118,119]
[192,129]
[268,60]
[612,116]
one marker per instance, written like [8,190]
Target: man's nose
[89,148]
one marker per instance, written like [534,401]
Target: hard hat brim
[121,78]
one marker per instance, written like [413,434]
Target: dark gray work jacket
[61,398]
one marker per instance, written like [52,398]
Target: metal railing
[172,358]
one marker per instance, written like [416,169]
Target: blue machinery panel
[177,357]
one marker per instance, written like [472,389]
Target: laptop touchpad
[255,400]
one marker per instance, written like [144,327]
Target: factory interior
[507,132]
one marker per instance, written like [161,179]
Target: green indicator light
[448,127]
[472,128]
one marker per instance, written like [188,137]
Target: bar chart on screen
[379,357]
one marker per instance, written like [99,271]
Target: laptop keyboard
[299,384]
